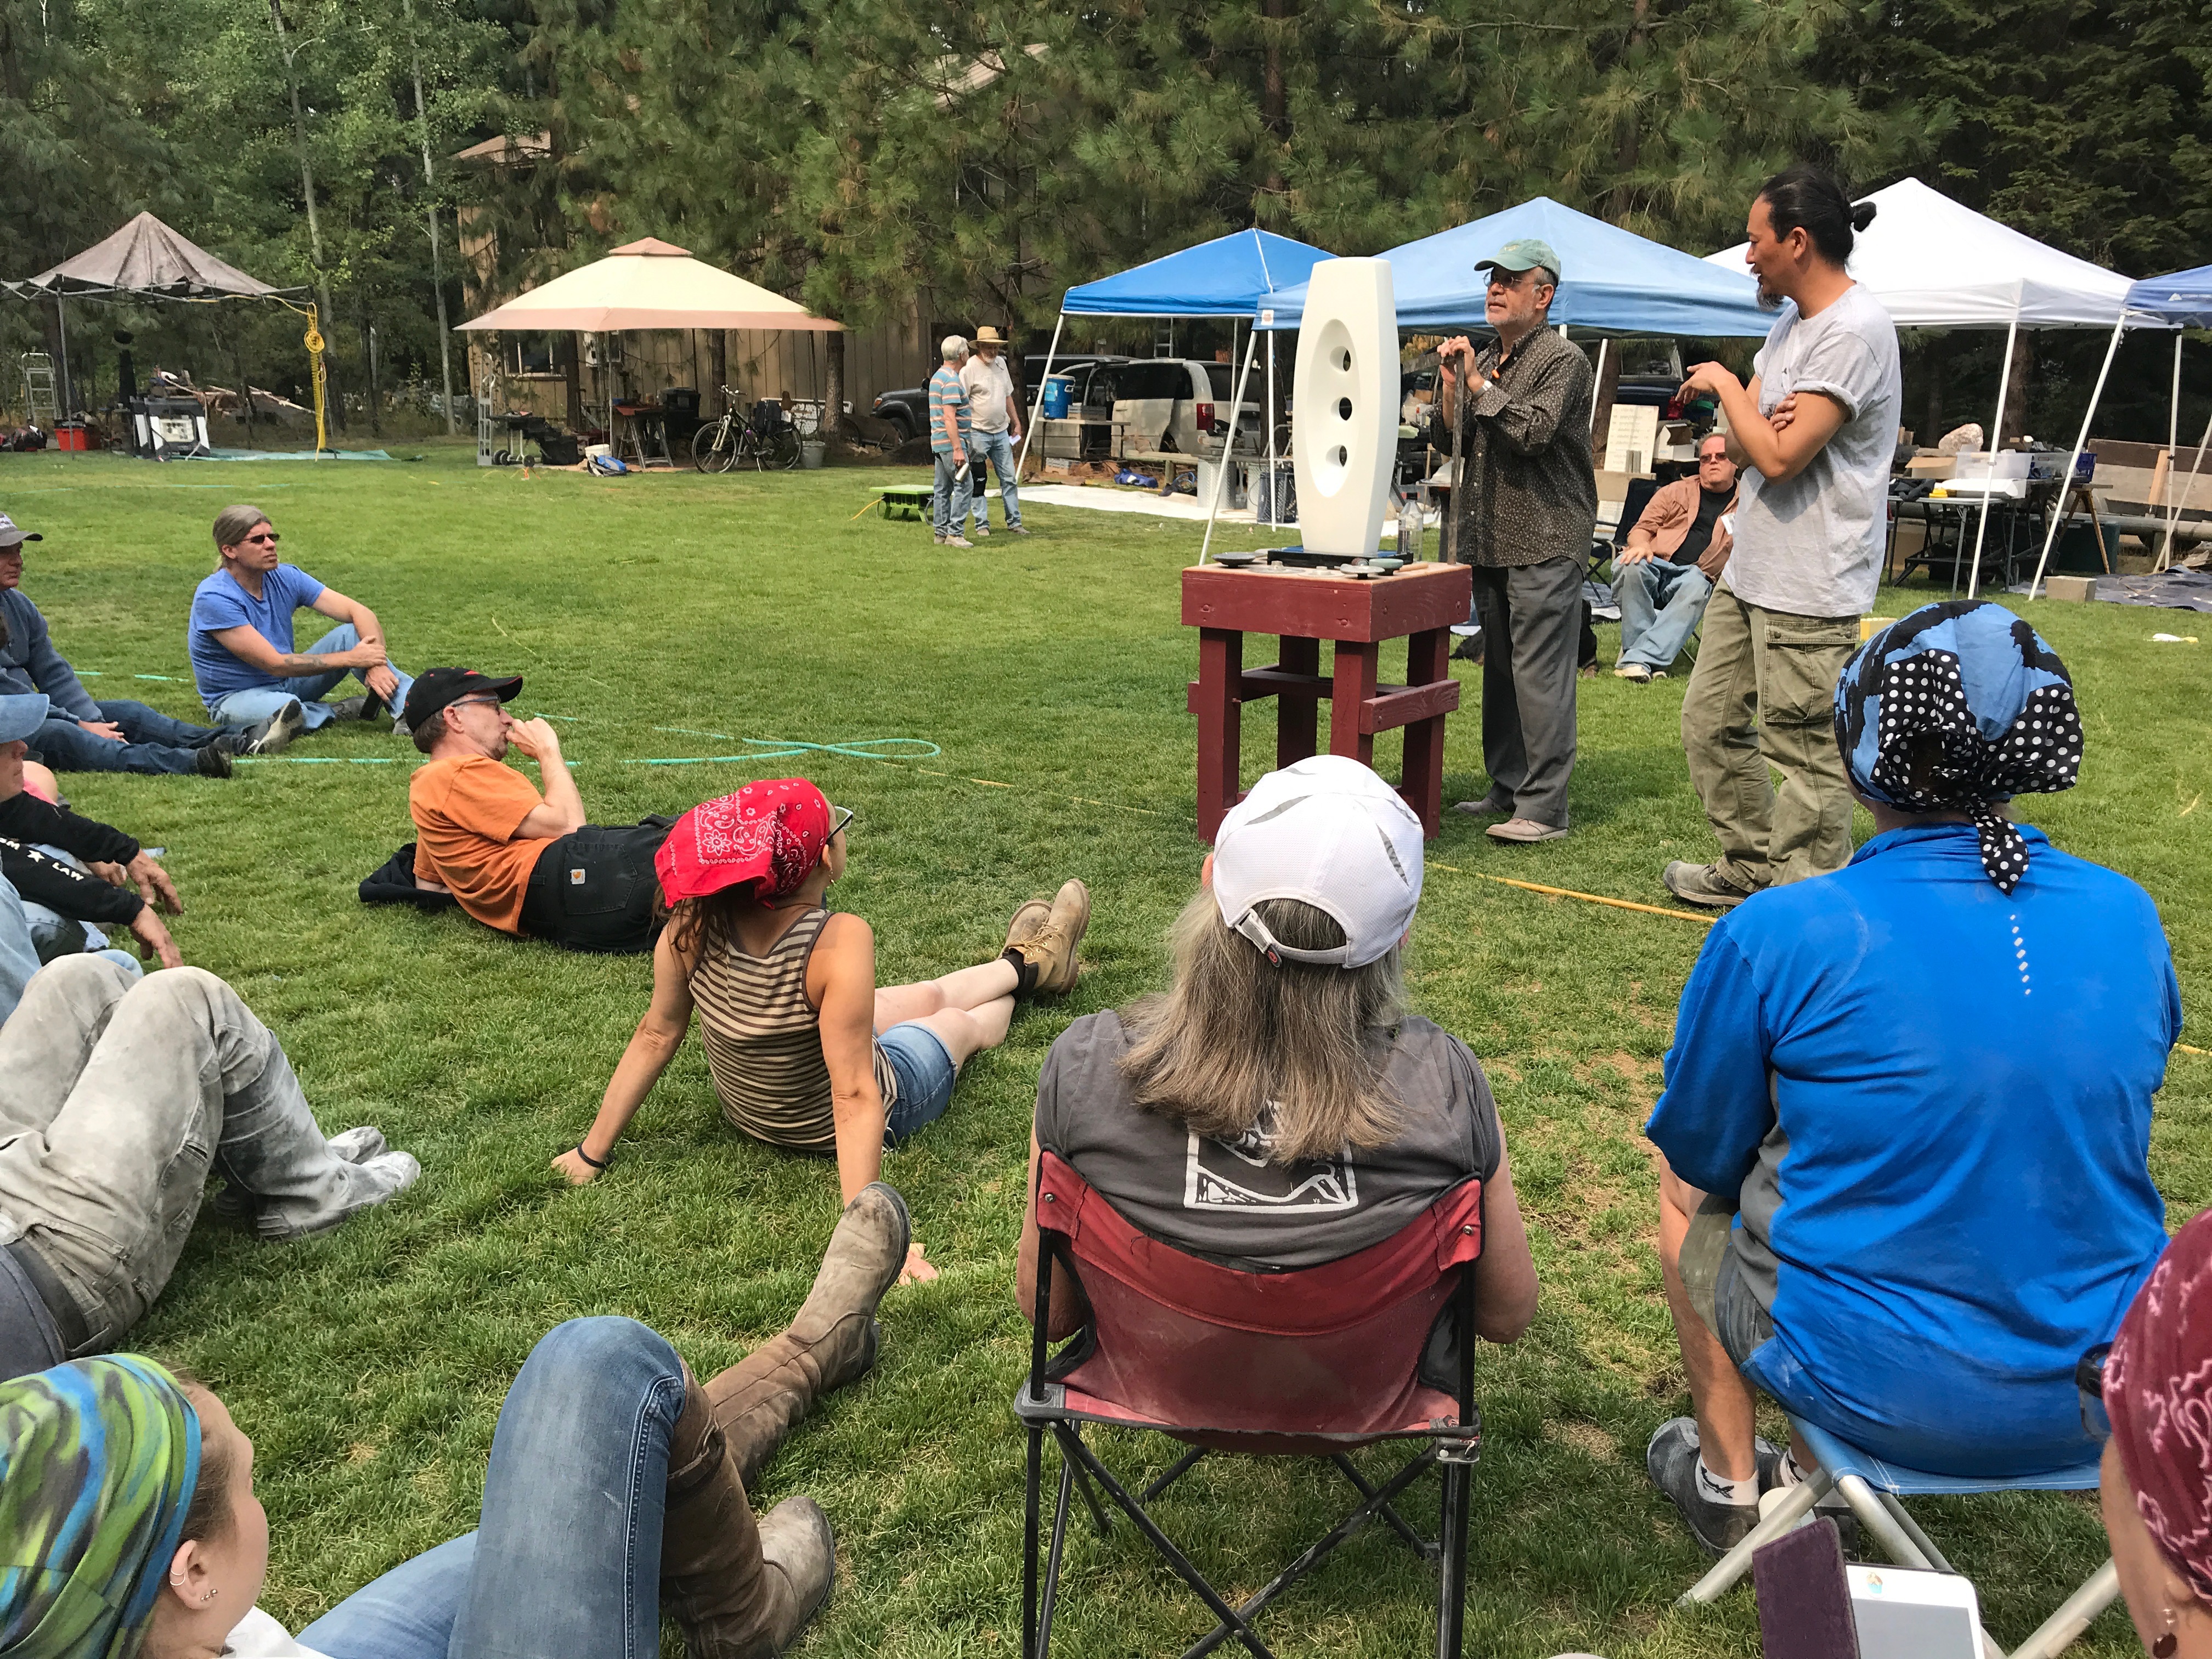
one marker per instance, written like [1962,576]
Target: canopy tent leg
[1036,409]
[67,395]
[2173,507]
[2066,478]
[1602,343]
[1228,448]
[2173,404]
[1270,418]
[1996,427]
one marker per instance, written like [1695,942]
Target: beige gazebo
[649,284]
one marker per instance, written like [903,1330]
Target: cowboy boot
[739,1588]
[833,1339]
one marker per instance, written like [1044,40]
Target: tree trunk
[326,315]
[430,216]
[718,358]
[1629,138]
[572,379]
[833,414]
[2023,388]
[1274,105]
[1932,357]
[375,392]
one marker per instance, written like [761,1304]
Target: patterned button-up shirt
[1530,493]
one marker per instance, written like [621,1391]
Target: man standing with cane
[1524,503]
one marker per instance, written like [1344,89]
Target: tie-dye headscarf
[2158,1392]
[98,1461]
[1998,702]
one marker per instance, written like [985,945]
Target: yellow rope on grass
[1569,892]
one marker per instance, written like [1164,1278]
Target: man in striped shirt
[948,438]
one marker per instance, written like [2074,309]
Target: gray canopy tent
[148,260]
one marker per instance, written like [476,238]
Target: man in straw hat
[997,426]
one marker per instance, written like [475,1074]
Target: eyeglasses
[845,816]
[463,702]
[270,537]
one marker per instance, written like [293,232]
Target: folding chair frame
[1041,1406]
[1888,1523]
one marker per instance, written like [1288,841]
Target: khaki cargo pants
[1763,694]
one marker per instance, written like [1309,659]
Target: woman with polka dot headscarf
[1907,1122]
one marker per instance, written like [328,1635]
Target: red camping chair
[1314,1364]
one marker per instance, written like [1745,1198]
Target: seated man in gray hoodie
[118,1095]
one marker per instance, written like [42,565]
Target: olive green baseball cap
[1523,254]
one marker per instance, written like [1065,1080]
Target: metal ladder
[41,400]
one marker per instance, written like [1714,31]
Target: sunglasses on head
[845,815]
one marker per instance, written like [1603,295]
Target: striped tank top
[763,1041]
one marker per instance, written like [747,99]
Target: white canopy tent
[1933,262]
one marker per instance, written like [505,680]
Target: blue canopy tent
[1236,276]
[1615,281]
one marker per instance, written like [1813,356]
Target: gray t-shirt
[1812,546]
[1228,1203]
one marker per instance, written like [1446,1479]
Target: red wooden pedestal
[1302,608]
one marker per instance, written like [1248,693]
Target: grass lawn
[662,618]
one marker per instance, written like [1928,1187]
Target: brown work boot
[832,1341]
[1052,949]
[739,1588]
[1027,921]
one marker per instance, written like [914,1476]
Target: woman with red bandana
[2158,1464]
[806,1052]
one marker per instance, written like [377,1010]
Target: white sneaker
[285,724]
[958,541]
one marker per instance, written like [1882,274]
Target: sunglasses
[270,537]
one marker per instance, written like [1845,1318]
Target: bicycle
[764,437]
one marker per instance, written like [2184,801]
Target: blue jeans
[257,703]
[997,448]
[1661,604]
[948,507]
[926,1073]
[565,1561]
[152,741]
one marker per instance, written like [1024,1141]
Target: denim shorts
[1713,1278]
[923,1065]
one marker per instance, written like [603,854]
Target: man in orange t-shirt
[516,859]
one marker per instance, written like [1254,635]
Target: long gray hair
[1235,1034]
[233,524]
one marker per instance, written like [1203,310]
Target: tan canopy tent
[648,284]
[146,258]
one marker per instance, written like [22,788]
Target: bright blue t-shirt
[219,602]
[1932,1104]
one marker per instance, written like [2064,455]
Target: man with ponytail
[1814,433]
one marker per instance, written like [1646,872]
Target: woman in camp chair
[1277,1108]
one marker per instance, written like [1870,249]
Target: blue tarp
[1614,279]
[2184,299]
[1229,277]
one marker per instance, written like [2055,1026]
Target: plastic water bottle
[1410,518]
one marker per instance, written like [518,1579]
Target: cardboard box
[1931,466]
[2070,587]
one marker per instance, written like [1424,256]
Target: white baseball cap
[1328,832]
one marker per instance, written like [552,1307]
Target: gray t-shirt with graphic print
[1229,1203]
[1812,546]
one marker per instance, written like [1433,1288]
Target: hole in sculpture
[1344,361]
[1344,409]
[1341,455]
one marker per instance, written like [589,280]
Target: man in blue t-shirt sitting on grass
[241,638]
[1906,1122]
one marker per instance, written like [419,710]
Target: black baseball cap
[436,688]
